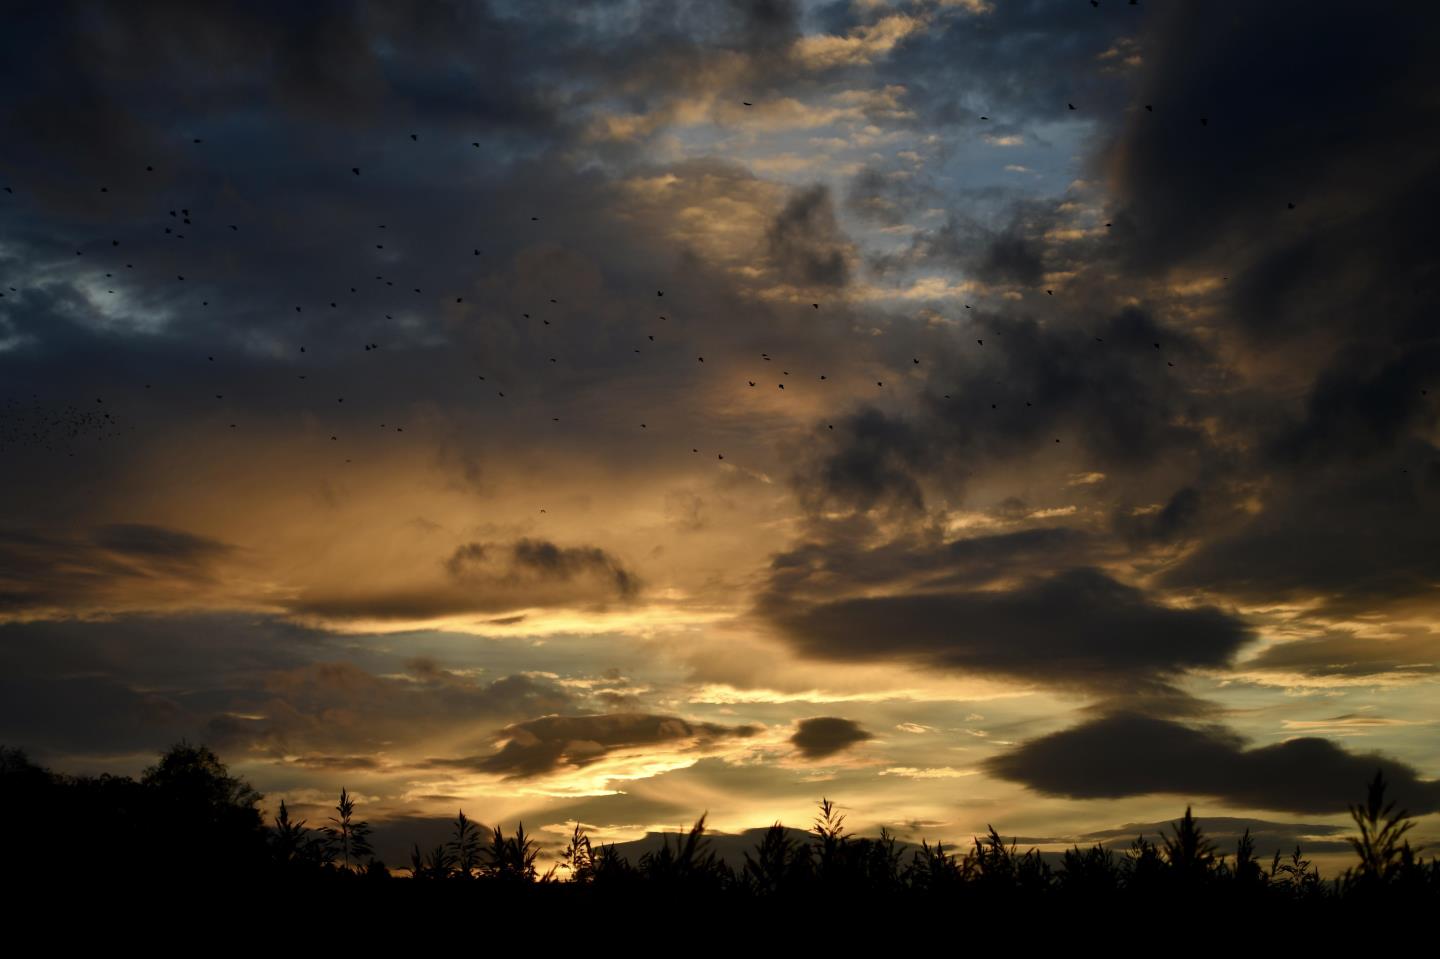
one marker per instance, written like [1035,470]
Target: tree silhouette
[195,812]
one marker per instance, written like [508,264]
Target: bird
[1071,105]
[355,170]
[1290,205]
[414,136]
[747,103]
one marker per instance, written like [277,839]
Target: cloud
[1293,547]
[861,45]
[131,565]
[1127,754]
[825,736]
[1078,628]
[806,244]
[255,687]
[1226,831]
[1347,654]
[542,746]
[491,578]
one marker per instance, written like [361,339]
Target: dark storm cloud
[1347,654]
[880,198]
[491,578]
[1132,755]
[1007,249]
[1134,389]
[825,736]
[158,544]
[842,559]
[43,571]
[1077,628]
[766,26]
[1345,93]
[546,559]
[963,66]
[339,707]
[1176,520]
[545,745]
[325,64]
[246,684]
[876,465]
[805,242]
[1349,536]
[1114,400]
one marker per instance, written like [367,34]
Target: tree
[199,813]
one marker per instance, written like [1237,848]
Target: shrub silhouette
[347,839]
[465,847]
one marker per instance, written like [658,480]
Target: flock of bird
[59,429]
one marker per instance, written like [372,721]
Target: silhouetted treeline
[187,820]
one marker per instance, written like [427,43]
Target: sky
[974,411]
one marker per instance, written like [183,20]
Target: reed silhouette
[187,820]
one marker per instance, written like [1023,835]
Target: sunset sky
[975,411]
